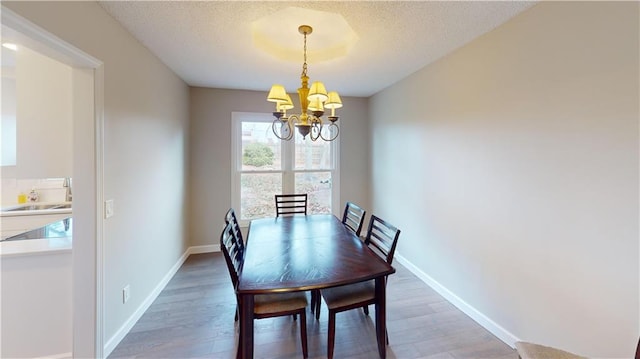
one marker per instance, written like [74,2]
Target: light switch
[108,208]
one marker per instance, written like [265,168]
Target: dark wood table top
[303,253]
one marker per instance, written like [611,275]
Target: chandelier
[313,100]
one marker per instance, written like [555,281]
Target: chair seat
[347,295]
[536,351]
[277,303]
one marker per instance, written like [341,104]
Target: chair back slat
[383,237]
[291,204]
[353,217]
[230,218]
[233,253]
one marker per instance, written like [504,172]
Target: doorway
[87,79]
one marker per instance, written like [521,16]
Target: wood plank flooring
[193,318]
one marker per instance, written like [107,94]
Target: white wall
[44,120]
[38,117]
[211,154]
[511,166]
[146,113]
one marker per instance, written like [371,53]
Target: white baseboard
[500,332]
[204,249]
[57,356]
[126,327]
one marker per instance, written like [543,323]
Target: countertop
[53,237]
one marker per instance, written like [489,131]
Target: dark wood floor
[193,318]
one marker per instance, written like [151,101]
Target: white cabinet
[37,306]
[12,225]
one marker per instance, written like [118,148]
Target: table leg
[245,347]
[381,310]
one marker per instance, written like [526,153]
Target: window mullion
[288,181]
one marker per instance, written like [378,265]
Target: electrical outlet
[108,208]
[126,293]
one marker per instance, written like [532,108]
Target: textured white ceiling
[210,43]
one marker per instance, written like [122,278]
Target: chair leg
[366,309]
[303,333]
[318,303]
[235,318]
[332,334]
[239,351]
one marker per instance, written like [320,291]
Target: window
[264,165]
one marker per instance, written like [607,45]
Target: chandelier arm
[278,131]
[316,128]
[330,126]
[275,131]
[293,119]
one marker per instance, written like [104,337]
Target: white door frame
[88,164]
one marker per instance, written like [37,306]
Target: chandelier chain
[304,65]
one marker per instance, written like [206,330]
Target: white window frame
[287,169]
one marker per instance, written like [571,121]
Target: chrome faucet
[67,184]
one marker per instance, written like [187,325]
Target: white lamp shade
[315,105]
[317,91]
[287,105]
[333,100]
[277,94]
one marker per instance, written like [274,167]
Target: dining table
[303,253]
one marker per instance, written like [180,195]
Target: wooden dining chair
[230,217]
[265,305]
[291,204]
[353,217]
[382,238]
